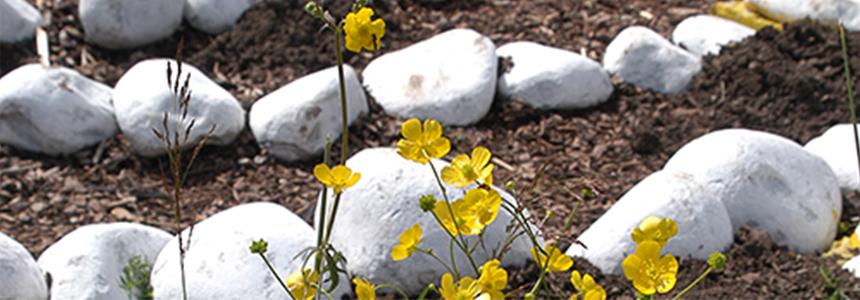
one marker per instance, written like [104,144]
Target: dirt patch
[787,83]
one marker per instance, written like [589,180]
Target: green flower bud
[427,203]
[717,260]
[259,247]
[314,9]
[510,185]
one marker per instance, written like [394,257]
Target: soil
[789,83]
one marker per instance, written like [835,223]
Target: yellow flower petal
[323,174]
[432,129]
[364,289]
[480,157]
[411,129]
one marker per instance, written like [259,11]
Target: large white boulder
[53,110]
[219,264]
[88,262]
[21,277]
[384,203]
[827,11]
[142,96]
[450,77]
[215,16]
[18,20]
[706,35]
[703,223]
[836,146]
[122,24]
[767,181]
[551,78]
[294,121]
[646,59]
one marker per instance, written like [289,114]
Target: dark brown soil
[787,83]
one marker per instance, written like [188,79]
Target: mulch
[789,83]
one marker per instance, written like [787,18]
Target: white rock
[21,277]
[384,203]
[552,78]
[87,263]
[450,77]
[705,34]
[215,16]
[644,58]
[294,121]
[18,20]
[142,96]
[703,223]
[853,266]
[836,147]
[121,24]
[767,181]
[828,11]
[219,264]
[53,110]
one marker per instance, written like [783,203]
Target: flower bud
[259,247]
[427,203]
[717,260]
[314,9]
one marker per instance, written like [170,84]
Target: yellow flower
[465,170]
[338,178]
[493,280]
[465,221]
[844,248]
[408,242]
[745,13]
[300,284]
[466,289]
[558,261]
[420,144]
[361,32]
[586,286]
[648,271]
[655,229]
[364,289]
[485,204]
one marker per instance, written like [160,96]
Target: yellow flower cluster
[469,215]
[649,271]
[587,287]
[489,285]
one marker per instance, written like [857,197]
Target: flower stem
[694,283]
[344,148]
[437,258]
[462,242]
[278,278]
[849,82]
[395,288]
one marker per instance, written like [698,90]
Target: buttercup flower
[465,221]
[420,144]
[465,170]
[655,229]
[408,241]
[485,203]
[586,286]
[648,271]
[338,178]
[364,289]
[844,248]
[299,284]
[558,261]
[466,289]
[493,280]
[361,32]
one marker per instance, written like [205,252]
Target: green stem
[462,242]
[850,83]
[278,278]
[426,290]
[395,288]
[344,148]
[694,283]
[437,258]
[331,220]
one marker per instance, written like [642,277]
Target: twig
[42,43]
[850,83]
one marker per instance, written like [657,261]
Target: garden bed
[788,83]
